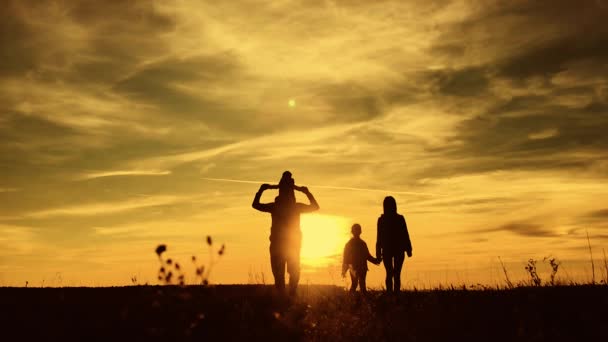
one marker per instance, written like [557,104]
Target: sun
[292,103]
[323,238]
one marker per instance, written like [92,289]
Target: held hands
[409,254]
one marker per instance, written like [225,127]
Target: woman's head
[390,205]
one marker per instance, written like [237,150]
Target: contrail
[328,187]
[234,180]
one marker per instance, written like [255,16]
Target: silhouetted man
[392,241]
[285,233]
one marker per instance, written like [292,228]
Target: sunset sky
[134,123]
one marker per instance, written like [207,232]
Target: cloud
[17,240]
[124,173]
[105,208]
[594,218]
[467,82]
[599,214]
[528,81]
[521,228]
[73,34]
[468,204]
[191,89]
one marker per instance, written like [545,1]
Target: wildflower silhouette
[554,268]
[160,250]
[171,269]
[531,269]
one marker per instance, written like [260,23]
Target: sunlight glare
[323,238]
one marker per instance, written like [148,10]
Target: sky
[127,124]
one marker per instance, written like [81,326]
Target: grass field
[327,313]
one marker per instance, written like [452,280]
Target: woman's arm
[370,258]
[408,242]
[379,238]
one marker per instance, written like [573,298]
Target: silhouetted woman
[392,242]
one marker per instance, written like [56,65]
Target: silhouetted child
[356,256]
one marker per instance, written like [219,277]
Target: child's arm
[345,260]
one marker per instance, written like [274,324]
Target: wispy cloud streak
[330,187]
[125,173]
[105,208]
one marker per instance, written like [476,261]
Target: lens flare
[323,238]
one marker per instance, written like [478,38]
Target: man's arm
[265,207]
[306,208]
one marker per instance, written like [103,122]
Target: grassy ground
[327,313]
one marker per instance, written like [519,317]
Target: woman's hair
[390,205]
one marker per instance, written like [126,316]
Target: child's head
[286,185]
[356,230]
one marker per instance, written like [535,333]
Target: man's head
[356,230]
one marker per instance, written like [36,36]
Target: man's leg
[388,266]
[277,263]
[293,268]
[398,265]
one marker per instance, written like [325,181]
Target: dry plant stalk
[504,269]
[605,266]
[591,255]
[531,269]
